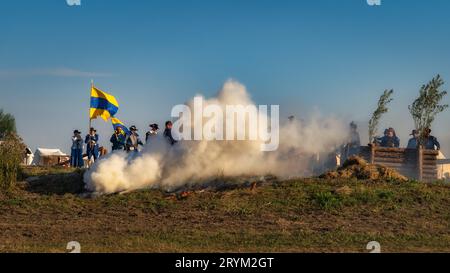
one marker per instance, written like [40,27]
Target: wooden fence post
[372,154]
[420,163]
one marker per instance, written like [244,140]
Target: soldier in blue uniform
[154,128]
[92,147]
[133,141]
[118,140]
[76,159]
[168,133]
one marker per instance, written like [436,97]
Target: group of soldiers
[389,140]
[120,140]
[131,141]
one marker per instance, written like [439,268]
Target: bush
[327,200]
[7,124]
[11,154]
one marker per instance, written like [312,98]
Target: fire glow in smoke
[160,165]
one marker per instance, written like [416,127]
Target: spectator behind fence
[390,139]
[377,140]
[76,159]
[414,141]
[431,142]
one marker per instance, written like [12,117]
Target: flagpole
[90,120]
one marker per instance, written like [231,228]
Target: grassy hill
[304,215]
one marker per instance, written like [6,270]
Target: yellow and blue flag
[119,124]
[103,104]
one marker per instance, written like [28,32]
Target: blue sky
[335,56]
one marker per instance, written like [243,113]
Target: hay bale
[354,161]
[357,168]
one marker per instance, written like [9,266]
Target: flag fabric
[103,104]
[119,124]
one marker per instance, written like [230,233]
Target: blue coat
[77,143]
[168,136]
[118,142]
[432,143]
[390,142]
[92,149]
[412,143]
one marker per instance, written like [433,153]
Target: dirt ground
[306,215]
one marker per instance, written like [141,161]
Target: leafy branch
[384,100]
[427,106]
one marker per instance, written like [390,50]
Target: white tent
[41,153]
[443,165]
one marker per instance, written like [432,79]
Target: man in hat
[153,132]
[91,141]
[76,159]
[431,142]
[133,141]
[118,140]
[168,133]
[414,141]
[354,141]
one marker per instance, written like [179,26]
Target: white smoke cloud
[160,165]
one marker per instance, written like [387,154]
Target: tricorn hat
[133,128]
[154,126]
[76,132]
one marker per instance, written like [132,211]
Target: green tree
[384,100]
[427,106]
[12,151]
[7,124]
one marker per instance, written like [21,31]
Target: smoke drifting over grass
[160,165]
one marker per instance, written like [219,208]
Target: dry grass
[358,168]
[307,215]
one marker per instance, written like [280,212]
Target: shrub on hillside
[11,155]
